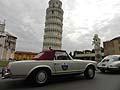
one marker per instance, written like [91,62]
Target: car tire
[41,77]
[89,72]
[102,70]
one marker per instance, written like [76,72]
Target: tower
[53,26]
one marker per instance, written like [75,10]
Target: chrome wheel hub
[91,72]
[41,77]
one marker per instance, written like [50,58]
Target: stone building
[7,43]
[86,55]
[22,55]
[53,26]
[112,47]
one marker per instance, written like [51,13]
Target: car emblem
[64,66]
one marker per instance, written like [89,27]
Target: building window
[52,12]
[119,41]
[0,45]
[56,2]
[53,5]
[59,6]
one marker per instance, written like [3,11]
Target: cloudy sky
[82,19]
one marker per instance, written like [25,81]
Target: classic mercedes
[49,63]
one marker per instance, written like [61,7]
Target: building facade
[7,44]
[112,47]
[21,55]
[53,26]
[85,55]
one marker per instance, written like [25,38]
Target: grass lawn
[3,63]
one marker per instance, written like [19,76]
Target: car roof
[114,55]
[47,54]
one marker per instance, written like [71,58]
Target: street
[0,70]
[107,81]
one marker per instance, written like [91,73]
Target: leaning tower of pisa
[53,26]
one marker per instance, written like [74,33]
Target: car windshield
[62,56]
[45,55]
[40,54]
[105,60]
[116,58]
[110,58]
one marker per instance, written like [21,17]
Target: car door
[78,65]
[62,63]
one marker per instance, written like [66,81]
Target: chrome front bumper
[6,73]
[110,68]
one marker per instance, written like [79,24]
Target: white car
[49,63]
[110,63]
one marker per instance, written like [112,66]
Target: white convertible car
[47,64]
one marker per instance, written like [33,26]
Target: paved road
[106,81]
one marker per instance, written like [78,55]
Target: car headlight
[111,66]
[7,69]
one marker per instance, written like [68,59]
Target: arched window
[52,12]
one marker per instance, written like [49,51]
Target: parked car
[110,63]
[49,63]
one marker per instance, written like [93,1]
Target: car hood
[108,63]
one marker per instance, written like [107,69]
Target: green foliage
[3,63]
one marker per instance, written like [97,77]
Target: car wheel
[41,77]
[102,70]
[89,73]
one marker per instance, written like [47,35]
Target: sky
[82,19]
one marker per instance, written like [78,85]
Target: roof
[116,38]
[7,34]
[24,52]
[113,39]
[3,34]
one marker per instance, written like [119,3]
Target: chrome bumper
[6,73]
[109,68]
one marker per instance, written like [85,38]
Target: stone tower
[53,26]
